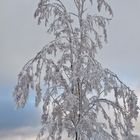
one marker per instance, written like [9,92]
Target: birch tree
[76,93]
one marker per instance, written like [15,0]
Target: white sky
[21,38]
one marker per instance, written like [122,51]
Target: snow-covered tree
[78,96]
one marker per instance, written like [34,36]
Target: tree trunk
[76,136]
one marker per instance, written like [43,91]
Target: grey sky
[21,38]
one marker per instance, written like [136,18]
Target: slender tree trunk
[76,136]
[80,13]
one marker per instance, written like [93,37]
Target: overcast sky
[21,38]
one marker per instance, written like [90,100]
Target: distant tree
[80,97]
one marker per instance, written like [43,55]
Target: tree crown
[78,90]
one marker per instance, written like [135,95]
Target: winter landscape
[78,70]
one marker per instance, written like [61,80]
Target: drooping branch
[77,88]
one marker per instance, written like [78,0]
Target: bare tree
[79,93]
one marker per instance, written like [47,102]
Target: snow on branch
[76,92]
